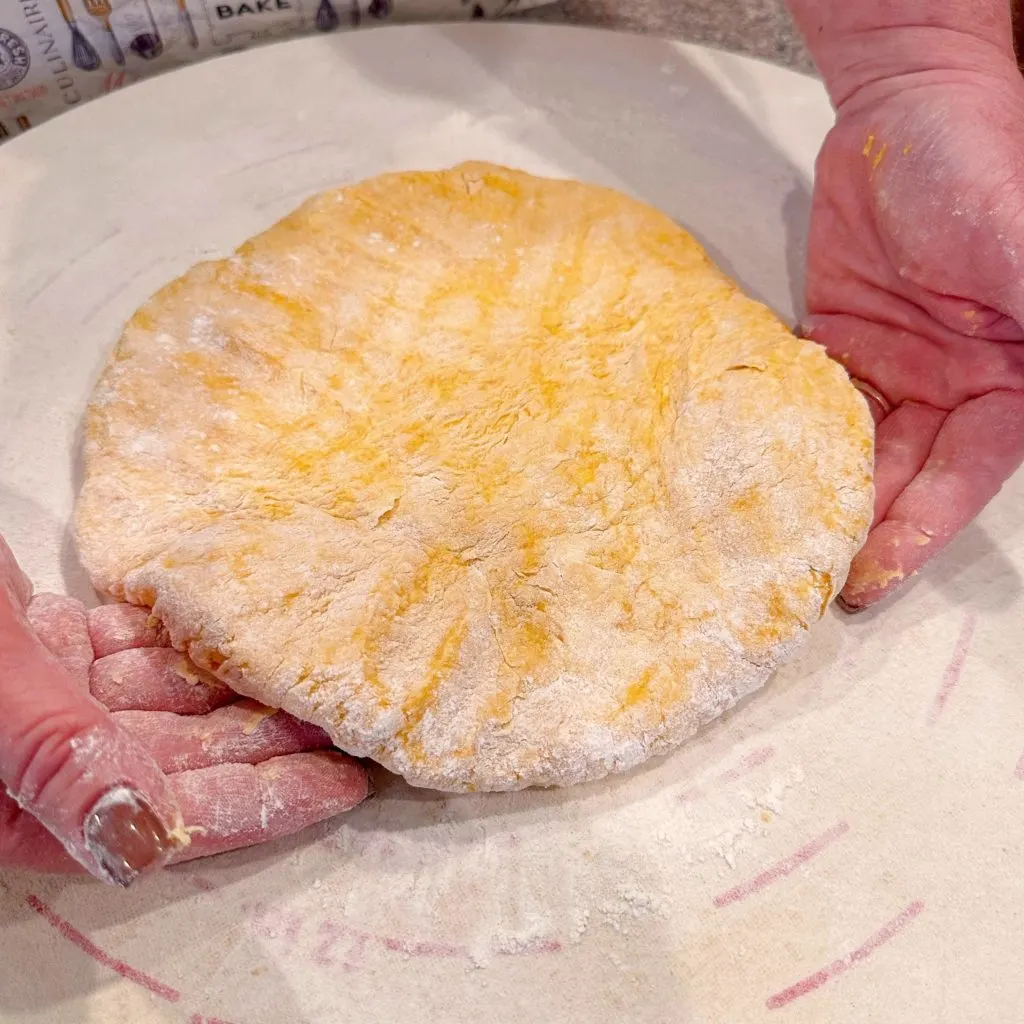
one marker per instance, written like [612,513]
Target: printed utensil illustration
[190,30]
[101,11]
[83,53]
[147,43]
[327,19]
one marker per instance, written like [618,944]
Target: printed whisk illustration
[327,19]
[83,53]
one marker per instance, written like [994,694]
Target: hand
[162,763]
[915,282]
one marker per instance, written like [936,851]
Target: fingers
[60,623]
[234,805]
[902,443]
[977,447]
[244,732]
[84,790]
[137,670]
[156,679]
[65,761]
[116,627]
[225,808]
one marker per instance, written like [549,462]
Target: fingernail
[850,609]
[125,836]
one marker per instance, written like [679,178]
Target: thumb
[12,579]
[66,762]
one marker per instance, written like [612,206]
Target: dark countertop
[761,28]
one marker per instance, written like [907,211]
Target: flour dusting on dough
[495,478]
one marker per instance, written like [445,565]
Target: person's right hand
[160,763]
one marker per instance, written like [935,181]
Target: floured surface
[846,847]
[494,477]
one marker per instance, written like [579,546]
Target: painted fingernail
[125,836]
[850,609]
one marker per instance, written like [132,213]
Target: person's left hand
[915,283]
[242,773]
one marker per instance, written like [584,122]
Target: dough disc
[496,478]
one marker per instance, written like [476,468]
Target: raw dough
[496,478]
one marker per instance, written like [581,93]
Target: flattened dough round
[496,478]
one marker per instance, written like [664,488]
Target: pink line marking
[747,763]
[956,665]
[837,967]
[1019,770]
[529,946]
[285,928]
[87,946]
[784,867]
[414,947]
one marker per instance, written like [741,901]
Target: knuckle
[52,750]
